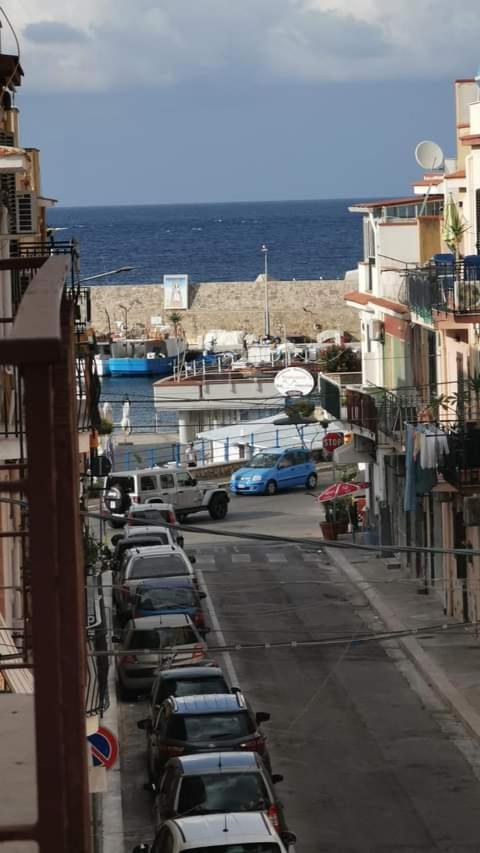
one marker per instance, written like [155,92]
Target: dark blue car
[157,596]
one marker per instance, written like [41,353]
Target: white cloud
[104,44]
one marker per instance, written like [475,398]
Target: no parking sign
[104,747]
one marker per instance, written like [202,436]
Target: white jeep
[174,486]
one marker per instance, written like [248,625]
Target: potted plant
[328,526]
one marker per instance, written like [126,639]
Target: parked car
[187,681]
[160,561]
[275,469]
[190,724]
[169,639]
[151,513]
[233,833]
[215,782]
[170,595]
[133,543]
[124,489]
[142,528]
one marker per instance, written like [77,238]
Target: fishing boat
[102,358]
[145,357]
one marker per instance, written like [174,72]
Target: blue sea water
[214,242]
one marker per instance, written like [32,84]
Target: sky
[164,101]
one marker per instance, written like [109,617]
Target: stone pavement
[448,659]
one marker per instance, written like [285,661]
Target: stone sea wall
[296,305]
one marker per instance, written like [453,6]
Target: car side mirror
[262,717]
[288,837]
[141,848]
[180,541]
[145,725]
[235,689]
[192,559]
[277,777]
[193,482]
[202,594]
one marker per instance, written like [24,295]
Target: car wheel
[218,507]
[181,517]
[311,481]
[271,488]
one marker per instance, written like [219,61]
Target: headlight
[257,478]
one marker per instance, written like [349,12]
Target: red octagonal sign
[332,440]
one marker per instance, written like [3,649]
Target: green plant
[339,359]
[105,427]
[175,319]
[299,409]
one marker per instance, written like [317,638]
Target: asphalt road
[372,762]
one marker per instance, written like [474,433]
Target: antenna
[225,827]
[429,157]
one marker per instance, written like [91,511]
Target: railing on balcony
[383,412]
[445,286]
[461,466]
[27,257]
[361,409]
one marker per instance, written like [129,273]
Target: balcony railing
[461,466]
[447,287]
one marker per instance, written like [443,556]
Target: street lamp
[126,310]
[108,272]
[266,308]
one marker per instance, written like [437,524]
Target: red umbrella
[341,490]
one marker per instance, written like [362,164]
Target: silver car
[153,642]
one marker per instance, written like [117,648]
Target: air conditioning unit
[471,511]
[378,331]
[26,213]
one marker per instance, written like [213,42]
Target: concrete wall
[232,305]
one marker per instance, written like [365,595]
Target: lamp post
[125,310]
[108,272]
[266,307]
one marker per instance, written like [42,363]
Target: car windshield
[189,687]
[127,484]
[152,516]
[167,598]
[163,638]
[223,792]
[210,727]
[263,460]
[244,847]
[157,567]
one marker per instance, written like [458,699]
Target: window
[287,461]
[217,727]
[163,638]
[300,457]
[127,484]
[223,792]
[167,481]
[184,479]
[157,567]
[263,460]
[166,598]
[148,484]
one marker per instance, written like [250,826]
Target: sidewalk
[449,662]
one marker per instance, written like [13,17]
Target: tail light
[129,659]
[255,745]
[199,619]
[273,817]
[198,652]
[136,499]
[125,592]
[171,518]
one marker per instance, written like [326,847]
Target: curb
[112,804]
[432,673]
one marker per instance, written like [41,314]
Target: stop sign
[332,440]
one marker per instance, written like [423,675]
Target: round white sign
[294,382]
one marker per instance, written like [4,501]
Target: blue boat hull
[141,366]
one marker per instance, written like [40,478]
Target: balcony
[446,288]
[461,467]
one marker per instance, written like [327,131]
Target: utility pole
[266,306]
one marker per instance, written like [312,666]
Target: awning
[19,680]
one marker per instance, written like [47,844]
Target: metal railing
[449,287]
[461,466]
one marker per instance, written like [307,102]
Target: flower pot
[329,529]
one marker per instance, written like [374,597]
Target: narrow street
[370,760]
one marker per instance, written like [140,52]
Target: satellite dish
[429,155]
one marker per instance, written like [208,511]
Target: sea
[209,242]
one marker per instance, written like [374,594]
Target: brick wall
[232,305]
